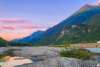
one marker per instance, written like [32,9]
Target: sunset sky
[20,18]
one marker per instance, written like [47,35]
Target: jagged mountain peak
[88,6]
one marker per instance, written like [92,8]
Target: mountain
[34,37]
[87,7]
[3,42]
[81,27]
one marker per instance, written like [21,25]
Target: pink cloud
[12,20]
[17,28]
[7,28]
[16,23]
[33,27]
[20,23]
[9,36]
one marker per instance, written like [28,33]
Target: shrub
[76,53]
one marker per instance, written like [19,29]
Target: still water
[96,50]
[1,63]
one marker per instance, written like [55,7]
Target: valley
[49,38]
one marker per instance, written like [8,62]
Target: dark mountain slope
[30,39]
[85,23]
[3,42]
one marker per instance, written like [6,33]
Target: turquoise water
[96,50]
[1,63]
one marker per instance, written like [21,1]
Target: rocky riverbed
[48,57]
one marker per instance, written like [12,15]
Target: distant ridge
[3,42]
[33,37]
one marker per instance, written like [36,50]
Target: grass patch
[76,53]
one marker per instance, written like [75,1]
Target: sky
[20,18]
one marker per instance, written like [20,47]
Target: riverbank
[41,57]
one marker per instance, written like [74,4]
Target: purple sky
[19,18]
